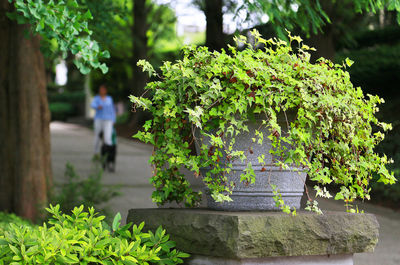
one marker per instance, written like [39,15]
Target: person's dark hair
[100,86]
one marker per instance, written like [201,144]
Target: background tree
[149,24]
[214,30]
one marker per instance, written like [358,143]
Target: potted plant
[262,118]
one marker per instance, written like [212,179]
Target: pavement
[74,143]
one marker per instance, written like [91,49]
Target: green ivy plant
[333,135]
[83,238]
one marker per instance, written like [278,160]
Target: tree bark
[215,39]
[140,50]
[25,166]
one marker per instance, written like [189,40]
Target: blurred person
[103,120]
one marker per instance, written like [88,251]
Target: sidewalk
[74,144]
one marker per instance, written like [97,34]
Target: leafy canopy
[64,27]
[332,136]
[309,16]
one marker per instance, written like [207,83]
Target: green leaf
[349,62]
[116,222]
[87,15]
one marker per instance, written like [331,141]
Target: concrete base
[346,259]
[262,235]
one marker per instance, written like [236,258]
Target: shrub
[67,97]
[89,191]
[82,238]
[123,118]
[7,219]
[61,111]
[66,104]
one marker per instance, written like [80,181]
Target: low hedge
[67,97]
[66,104]
[83,238]
[61,111]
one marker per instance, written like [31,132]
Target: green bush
[83,238]
[123,118]
[66,104]
[89,191]
[7,219]
[67,97]
[61,111]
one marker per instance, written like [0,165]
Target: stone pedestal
[255,238]
[346,259]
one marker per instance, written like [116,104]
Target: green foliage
[108,18]
[311,16]
[61,111]
[63,27]
[377,56]
[67,97]
[89,191]
[123,118]
[66,104]
[215,93]
[371,38]
[7,219]
[162,43]
[83,238]
[390,146]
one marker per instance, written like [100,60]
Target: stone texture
[345,259]
[262,234]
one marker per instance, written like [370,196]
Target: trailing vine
[214,95]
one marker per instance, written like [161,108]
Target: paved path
[74,144]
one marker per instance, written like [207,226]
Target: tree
[214,29]
[24,116]
[151,22]
[139,36]
[159,41]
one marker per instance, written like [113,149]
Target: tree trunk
[25,166]
[324,43]
[215,39]
[139,37]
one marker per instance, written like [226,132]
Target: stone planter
[258,196]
